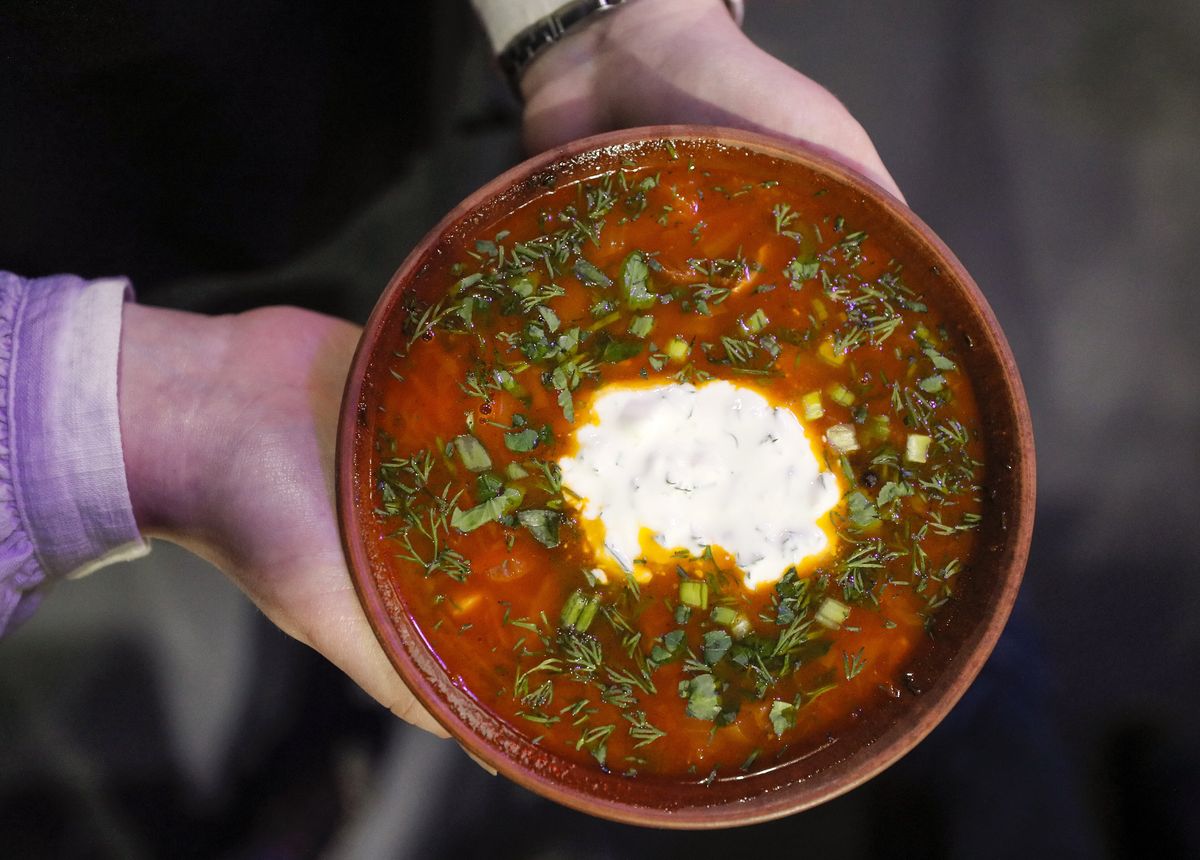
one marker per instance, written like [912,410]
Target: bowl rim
[891,744]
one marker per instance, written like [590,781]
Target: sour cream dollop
[708,465]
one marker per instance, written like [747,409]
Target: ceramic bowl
[941,670]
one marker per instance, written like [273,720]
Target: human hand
[228,426]
[683,61]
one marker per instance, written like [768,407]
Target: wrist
[166,362]
[230,425]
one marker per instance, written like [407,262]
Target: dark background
[231,154]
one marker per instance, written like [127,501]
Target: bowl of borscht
[685,476]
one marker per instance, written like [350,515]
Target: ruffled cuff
[64,501]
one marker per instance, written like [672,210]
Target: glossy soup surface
[690,265]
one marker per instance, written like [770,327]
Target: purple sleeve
[64,501]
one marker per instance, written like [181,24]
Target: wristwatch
[530,42]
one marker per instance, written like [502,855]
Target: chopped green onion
[588,615]
[741,627]
[605,322]
[756,322]
[879,427]
[573,608]
[677,349]
[842,438]
[812,406]
[515,471]
[579,611]
[724,615]
[694,592]
[830,354]
[839,393]
[916,448]
[832,614]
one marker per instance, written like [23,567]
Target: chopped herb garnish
[641,326]
[783,716]
[703,702]
[852,664]
[641,730]
[863,514]
[543,525]
[474,455]
[635,282]
[489,511]
[589,274]
[522,329]
[716,644]
[522,440]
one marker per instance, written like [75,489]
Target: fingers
[817,117]
[675,62]
[410,710]
[333,624]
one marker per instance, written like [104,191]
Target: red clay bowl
[965,630]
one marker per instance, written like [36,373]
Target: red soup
[688,279]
